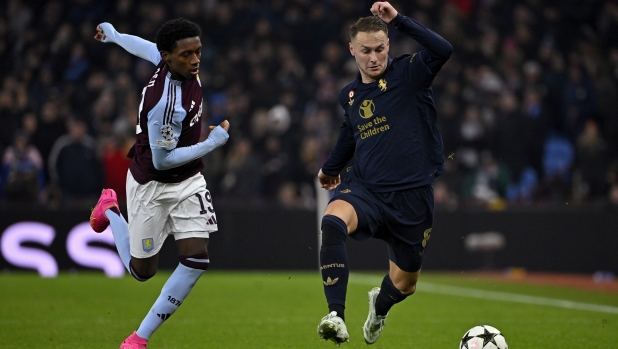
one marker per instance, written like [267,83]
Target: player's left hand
[99,36]
[384,10]
[328,182]
[224,124]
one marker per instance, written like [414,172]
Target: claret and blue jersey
[167,147]
[390,124]
[169,117]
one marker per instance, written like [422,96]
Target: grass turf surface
[282,310]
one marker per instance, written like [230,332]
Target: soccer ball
[483,337]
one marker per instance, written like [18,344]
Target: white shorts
[157,210]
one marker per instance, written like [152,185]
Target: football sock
[389,295]
[334,263]
[172,295]
[120,230]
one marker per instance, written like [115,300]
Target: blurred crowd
[527,105]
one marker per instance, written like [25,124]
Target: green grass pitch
[282,310]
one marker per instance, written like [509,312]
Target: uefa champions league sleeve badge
[167,132]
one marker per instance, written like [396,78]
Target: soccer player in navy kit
[166,193]
[390,130]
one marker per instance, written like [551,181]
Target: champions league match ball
[483,337]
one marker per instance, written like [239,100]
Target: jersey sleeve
[343,150]
[163,132]
[132,44]
[164,159]
[425,64]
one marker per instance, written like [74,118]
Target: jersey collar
[172,81]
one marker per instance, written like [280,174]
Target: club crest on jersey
[148,244]
[382,85]
[366,109]
[167,132]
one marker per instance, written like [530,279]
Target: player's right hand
[99,36]
[328,182]
[384,10]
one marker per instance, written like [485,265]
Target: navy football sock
[389,295]
[334,263]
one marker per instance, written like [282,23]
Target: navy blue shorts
[403,219]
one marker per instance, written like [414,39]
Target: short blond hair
[370,24]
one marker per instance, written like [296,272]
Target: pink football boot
[134,342]
[107,201]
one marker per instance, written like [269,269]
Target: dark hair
[370,24]
[174,30]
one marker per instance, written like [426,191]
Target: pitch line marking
[493,295]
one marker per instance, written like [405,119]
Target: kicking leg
[396,286]
[194,261]
[107,213]
[141,269]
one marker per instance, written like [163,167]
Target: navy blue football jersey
[390,124]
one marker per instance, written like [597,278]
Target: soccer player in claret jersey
[390,130]
[166,192]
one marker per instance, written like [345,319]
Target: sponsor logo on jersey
[196,117]
[330,282]
[382,85]
[148,244]
[366,109]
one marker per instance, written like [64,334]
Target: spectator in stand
[22,177]
[487,184]
[591,160]
[74,166]
[558,160]
[116,164]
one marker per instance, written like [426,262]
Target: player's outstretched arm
[438,49]
[165,156]
[384,10]
[133,44]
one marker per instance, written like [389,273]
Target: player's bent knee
[334,231]
[140,276]
[405,287]
[197,261]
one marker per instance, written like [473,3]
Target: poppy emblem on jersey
[167,132]
[366,109]
[350,95]
[148,244]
